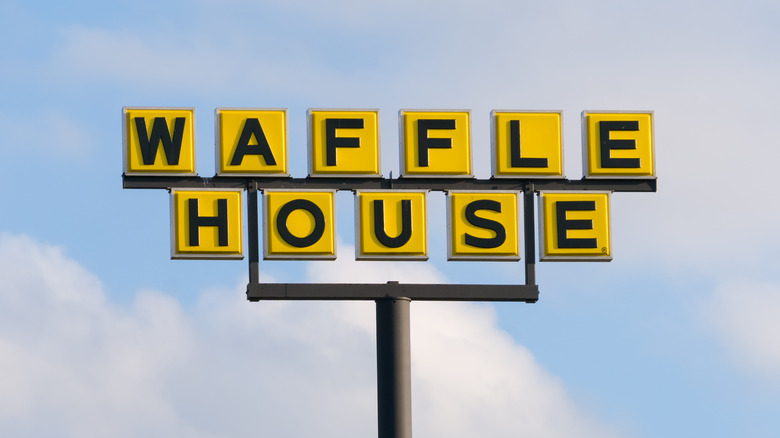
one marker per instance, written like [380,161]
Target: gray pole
[530,229]
[393,364]
[253,230]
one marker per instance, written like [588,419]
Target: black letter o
[284,232]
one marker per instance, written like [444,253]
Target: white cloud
[345,266]
[72,358]
[744,314]
[471,379]
[232,368]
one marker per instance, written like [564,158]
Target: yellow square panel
[391,225]
[251,142]
[159,141]
[344,142]
[206,224]
[527,144]
[574,226]
[299,224]
[618,144]
[482,226]
[435,143]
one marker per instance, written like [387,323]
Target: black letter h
[220,221]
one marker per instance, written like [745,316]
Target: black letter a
[252,126]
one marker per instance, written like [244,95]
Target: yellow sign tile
[618,145]
[574,226]
[251,142]
[527,144]
[391,225]
[435,143]
[482,226]
[206,224]
[299,225]
[344,142]
[159,141]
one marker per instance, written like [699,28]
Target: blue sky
[102,334]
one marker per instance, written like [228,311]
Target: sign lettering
[575,226]
[391,225]
[435,143]
[251,142]
[344,143]
[299,225]
[618,145]
[159,141]
[206,224]
[483,226]
[527,144]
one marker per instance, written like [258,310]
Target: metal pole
[393,364]
[530,229]
[253,230]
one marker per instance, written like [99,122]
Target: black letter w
[160,133]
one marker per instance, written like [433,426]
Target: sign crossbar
[433,184]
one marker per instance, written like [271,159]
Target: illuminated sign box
[527,144]
[159,141]
[618,144]
[391,225]
[299,225]
[206,224]
[343,142]
[574,226]
[482,226]
[435,143]
[251,142]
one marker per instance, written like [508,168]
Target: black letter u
[406,224]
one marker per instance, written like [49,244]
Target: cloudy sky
[101,334]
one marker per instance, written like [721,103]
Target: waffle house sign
[391,215]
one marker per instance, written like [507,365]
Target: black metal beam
[437,184]
[254,241]
[377,291]
[529,232]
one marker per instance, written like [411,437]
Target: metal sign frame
[393,298]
